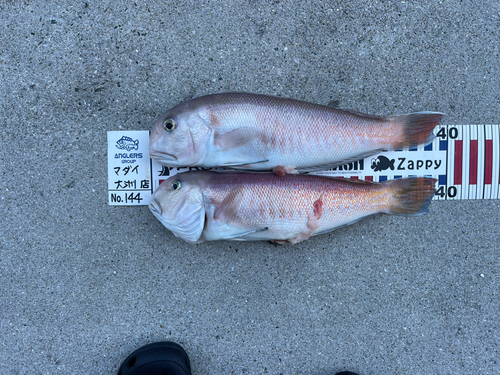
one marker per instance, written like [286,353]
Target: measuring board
[465,159]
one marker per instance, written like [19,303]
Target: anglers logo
[382,163]
[127,143]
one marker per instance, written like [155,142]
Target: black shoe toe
[159,358]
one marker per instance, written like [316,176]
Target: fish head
[179,204]
[180,137]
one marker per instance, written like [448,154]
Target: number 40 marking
[452,133]
[451,192]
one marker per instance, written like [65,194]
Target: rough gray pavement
[82,284]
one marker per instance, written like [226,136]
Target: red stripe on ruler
[488,162]
[473,162]
[458,163]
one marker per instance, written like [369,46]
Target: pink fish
[258,132]
[202,206]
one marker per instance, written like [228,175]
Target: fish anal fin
[236,138]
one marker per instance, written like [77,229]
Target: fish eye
[176,185]
[169,124]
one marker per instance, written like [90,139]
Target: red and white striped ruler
[473,161]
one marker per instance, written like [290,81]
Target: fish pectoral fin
[236,138]
[244,140]
[228,207]
[245,233]
[237,164]
[324,167]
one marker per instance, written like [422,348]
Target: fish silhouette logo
[127,143]
[382,163]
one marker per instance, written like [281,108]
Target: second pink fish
[259,132]
[202,206]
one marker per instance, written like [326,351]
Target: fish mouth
[155,207]
[162,155]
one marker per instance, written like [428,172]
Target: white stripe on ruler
[480,162]
[465,161]
[451,161]
[473,136]
[495,188]
[487,136]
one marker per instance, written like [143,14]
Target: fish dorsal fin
[228,207]
[236,138]
[373,117]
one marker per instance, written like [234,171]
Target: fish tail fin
[416,128]
[411,196]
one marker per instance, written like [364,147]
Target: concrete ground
[82,284]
